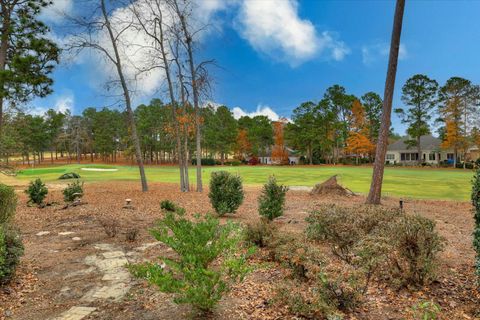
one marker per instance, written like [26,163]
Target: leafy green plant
[207,259]
[73,191]
[226,192]
[168,205]
[36,191]
[426,310]
[476,215]
[272,199]
[8,203]
[11,249]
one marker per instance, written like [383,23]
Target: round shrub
[272,199]
[36,191]
[8,203]
[226,192]
[11,249]
[73,191]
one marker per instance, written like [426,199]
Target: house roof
[427,142]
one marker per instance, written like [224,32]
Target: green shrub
[207,259]
[11,249]
[168,205]
[73,191]
[36,191]
[8,203]
[476,214]
[272,199]
[226,192]
[70,175]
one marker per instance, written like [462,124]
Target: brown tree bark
[128,102]
[375,194]
[6,11]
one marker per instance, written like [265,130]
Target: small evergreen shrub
[476,215]
[73,191]
[226,192]
[207,259]
[36,191]
[8,203]
[168,205]
[271,202]
[70,175]
[11,249]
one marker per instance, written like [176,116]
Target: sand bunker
[98,169]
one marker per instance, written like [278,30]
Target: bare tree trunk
[193,73]
[375,194]
[126,93]
[3,53]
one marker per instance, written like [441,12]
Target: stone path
[115,281]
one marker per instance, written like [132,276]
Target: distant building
[400,152]
[293,157]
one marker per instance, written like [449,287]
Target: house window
[390,156]
[450,156]
[409,156]
[403,156]
[431,157]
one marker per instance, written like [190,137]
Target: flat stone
[77,313]
[110,264]
[119,276]
[80,273]
[146,246]
[113,254]
[76,238]
[115,291]
[43,233]
[66,233]
[91,260]
[104,247]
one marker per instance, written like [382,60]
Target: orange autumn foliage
[279,152]
[358,141]
[244,147]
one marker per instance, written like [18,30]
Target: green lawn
[445,184]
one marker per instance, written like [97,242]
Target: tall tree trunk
[3,54]
[193,74]
[379,166]
[128,103]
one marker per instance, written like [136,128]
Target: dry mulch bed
[51,260]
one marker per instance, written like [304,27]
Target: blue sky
[272,58]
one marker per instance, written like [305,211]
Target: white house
[400,152]
[293,157]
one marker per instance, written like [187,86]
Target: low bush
[385,243]
[226,192]
[73,191]
[206,263]
[36,191]
[70,175]
[271,202]
[168,205]
[110,226]
[8,203]
[259,233]
[205,162]
[11,249]
[415,246]
[131,234]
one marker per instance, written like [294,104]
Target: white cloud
[55,12]
[274,27]
[374,52]
[61,103]
[260,111]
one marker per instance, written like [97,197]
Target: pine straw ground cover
[51,261]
